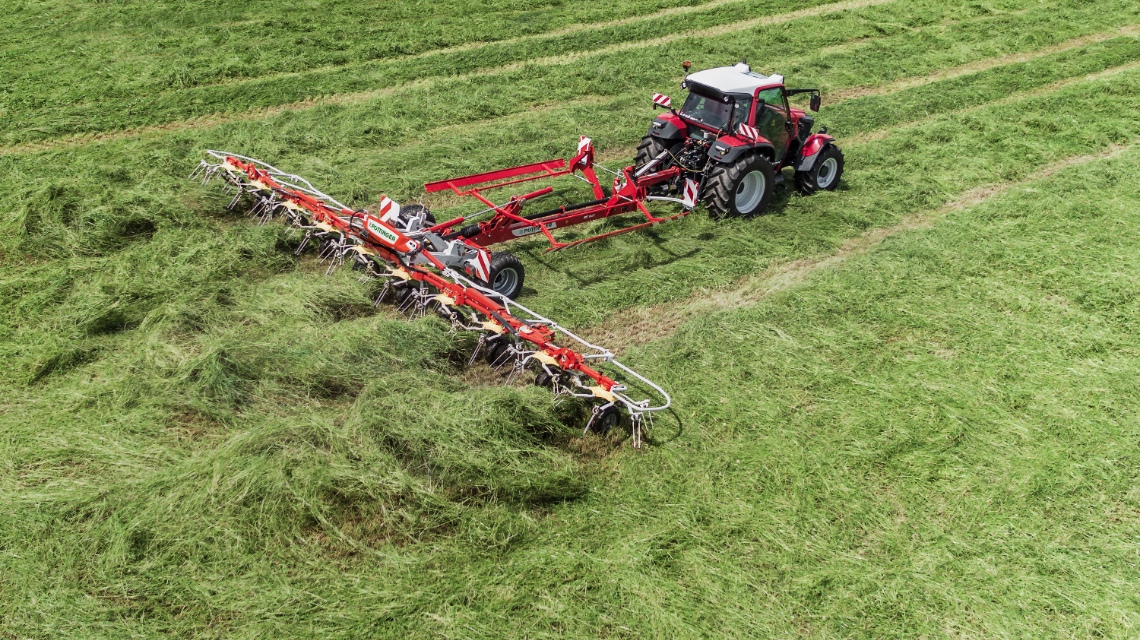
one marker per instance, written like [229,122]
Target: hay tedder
[725,147]
[425,270]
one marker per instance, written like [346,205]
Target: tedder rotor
[426,270]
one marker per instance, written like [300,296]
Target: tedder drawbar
[426,271]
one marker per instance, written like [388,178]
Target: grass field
[908,408]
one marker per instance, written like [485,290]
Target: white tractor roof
[738,78]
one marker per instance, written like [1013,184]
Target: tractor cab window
[742,112]
[772,118]
[707,111]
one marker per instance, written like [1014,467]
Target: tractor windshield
[714,113]
[706,110]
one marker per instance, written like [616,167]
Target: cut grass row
[383,120]
[217,441]
[944,442]
[127,51]
[626,66]
[99,296]
[141,95]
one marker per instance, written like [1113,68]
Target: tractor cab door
[772,119]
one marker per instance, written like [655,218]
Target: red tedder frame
[629,194]
[326,217]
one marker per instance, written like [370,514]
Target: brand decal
[382,231]
[529,229]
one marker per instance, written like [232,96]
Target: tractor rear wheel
[824,174]
[506,276]
[743,188]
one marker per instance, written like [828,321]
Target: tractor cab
[734,116]
[720,100]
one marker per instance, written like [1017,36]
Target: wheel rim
[505,281]
[750,191]
[826,174]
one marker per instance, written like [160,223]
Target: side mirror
[687,65]
[814,104]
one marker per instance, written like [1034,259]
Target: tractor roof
[738,78]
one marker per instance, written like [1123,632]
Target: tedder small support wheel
[402,295]
[824,174]
[496,352]
[544,379]
[506,275]
[609,418]
[743,188]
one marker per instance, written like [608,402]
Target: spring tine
[383,292]
[593,417]
[304,243]
[515,369]
[406,304]
[478,348]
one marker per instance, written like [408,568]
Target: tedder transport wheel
[506,275]
[824,174]
[742,188]
[410,210]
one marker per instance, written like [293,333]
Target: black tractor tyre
[743,188]
[608,419]
[507,275]
[824,173]
[409,210]
[649,149]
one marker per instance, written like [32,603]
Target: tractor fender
[668,127]
[729,149]
[812,146]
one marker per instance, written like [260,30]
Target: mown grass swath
[634,66]
[204,436]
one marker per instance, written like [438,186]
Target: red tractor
[734,133]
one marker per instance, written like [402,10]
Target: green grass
[205,437]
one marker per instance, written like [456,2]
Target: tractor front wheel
[506,275]
[649,149]
[824,174]
[743,188]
